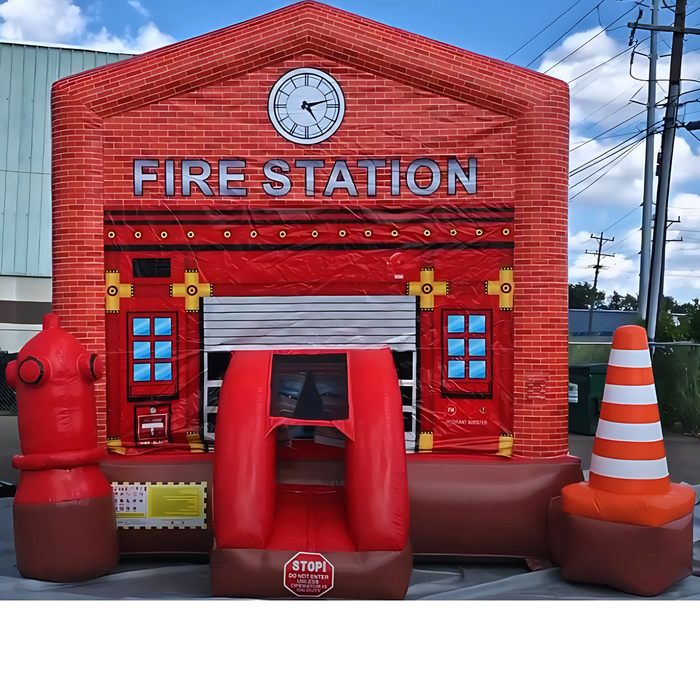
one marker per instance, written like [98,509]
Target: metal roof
[27,72]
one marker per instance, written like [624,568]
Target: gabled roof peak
[308,27]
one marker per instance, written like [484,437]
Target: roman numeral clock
[306,106]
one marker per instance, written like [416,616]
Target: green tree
[670,328]
[615,301]
[581,295]
[692,321]
[629,303]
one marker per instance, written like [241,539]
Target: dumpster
[586,386]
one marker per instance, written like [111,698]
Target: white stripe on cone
[629,432]
[630,395]
[629,468]
[629,358]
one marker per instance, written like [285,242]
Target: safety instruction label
[308,575]
[160,505]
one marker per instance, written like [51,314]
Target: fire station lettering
[421,177]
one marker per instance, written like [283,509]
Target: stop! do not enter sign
[308,575]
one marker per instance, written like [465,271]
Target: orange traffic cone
[629,526]
[629,481]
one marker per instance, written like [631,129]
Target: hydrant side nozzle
[91,367]
[34,371]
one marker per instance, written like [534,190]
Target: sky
[584,42]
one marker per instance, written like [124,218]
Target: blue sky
[587,47]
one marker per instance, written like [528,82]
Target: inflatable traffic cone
[629,526]
[629,481]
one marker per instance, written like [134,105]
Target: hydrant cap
[51,321]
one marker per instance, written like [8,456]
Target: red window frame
[152,389]
[467,388]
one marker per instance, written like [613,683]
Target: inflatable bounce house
[325,262]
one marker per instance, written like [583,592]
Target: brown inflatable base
[165,469]
[66,542]
[644,561]
[485,507]
[259,573]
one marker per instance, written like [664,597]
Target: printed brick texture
[406,96]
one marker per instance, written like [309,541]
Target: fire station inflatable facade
[256,228]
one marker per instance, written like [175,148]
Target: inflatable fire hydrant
[64,522]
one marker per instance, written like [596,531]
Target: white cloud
[41,20]
[61,21]
[600,101]
[139,7]
[148,37]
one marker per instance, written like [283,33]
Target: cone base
[644,561]
[67,541]
[650,510]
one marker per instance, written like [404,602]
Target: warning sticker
[308,575]
[171,505]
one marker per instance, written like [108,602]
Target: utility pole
[597,267]
[667,140]
[658,252]
[645,260]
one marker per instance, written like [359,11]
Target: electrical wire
[571,7]
[621,219]
[602,133]
[618,160]
[565,34]
[600,65]
[585,43]
[622,152]
[606,155]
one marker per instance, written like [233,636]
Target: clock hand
[305,105]
[313,104]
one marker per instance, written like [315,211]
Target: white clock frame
[336,121]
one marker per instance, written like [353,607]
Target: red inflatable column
[375,474]
[64,522]
[244,461]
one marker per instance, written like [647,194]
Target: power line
[565,33]
[571,7]
[613,150]
[623,152]
[621,219]
[600,65]
[585,43]
[634,116]
[612,165]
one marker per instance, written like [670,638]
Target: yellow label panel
[169,505]
[176,501]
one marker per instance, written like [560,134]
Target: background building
[27,72]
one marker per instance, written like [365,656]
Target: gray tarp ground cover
[172,580]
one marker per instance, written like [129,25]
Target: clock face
[306,106]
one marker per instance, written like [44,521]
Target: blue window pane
[455,347]
[477,369]
[162,326]
[142,326]
[477,324]
[142,351]
[164,349]
[455,324]
[455,369]
[142,373]
[477,346]
[164,371]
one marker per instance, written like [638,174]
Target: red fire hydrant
[64,521]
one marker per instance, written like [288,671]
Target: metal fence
[8,398]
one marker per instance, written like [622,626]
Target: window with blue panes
[465,346]
[152,348]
